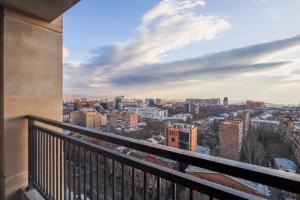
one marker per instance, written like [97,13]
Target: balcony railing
[66,167]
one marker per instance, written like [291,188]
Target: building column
[30,83]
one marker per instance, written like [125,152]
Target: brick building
[87,117]
[123,119]
[183,136]
[255,104]
[230,138]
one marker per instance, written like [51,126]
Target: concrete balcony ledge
[47,10]
[31,194]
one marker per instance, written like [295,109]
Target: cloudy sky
[184,48]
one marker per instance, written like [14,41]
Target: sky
[176,49]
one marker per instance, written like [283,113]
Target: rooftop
[258,188]
[285,164]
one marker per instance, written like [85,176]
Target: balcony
[67,167]
[36,154]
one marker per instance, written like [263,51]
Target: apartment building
[230,138]
[123,119]
[183,136]
[295,142]
[87,117]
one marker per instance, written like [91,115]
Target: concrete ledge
[47,10]
[31,194]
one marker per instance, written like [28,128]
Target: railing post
[30,153]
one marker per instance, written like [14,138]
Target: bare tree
[252,151]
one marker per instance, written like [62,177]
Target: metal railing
[66,167]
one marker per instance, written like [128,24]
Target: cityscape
[149,100]
[254,132]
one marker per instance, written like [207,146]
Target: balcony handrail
[189,181]
[270,177]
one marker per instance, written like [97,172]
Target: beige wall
[32,84]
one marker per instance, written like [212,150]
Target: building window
[184,137]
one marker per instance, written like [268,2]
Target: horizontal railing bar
[200,185]
[271,177]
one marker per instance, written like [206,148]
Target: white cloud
[135,65]
[172,24]
[66,52]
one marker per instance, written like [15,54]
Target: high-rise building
[118,100]
[225,101]
[183,136]
[230,138]
[195,108]
[149,102]
[77,104]
[245,117]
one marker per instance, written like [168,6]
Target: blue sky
[165,49]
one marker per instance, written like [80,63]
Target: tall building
[195,108]
[77,104]
[149,102]
[245,117]
[230,138]
[225,101]
[118,100]
[183,136]
[189,107]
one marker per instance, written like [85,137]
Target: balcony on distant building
[39,161]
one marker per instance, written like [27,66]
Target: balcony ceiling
[44,9]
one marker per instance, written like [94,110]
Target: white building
[148,112]
[181,116]
[265,124]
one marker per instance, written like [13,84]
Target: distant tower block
[225,101]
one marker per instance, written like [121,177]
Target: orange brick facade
[183,138]
[133,119]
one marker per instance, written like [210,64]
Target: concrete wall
[32,84]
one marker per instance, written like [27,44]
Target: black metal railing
[66,167]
